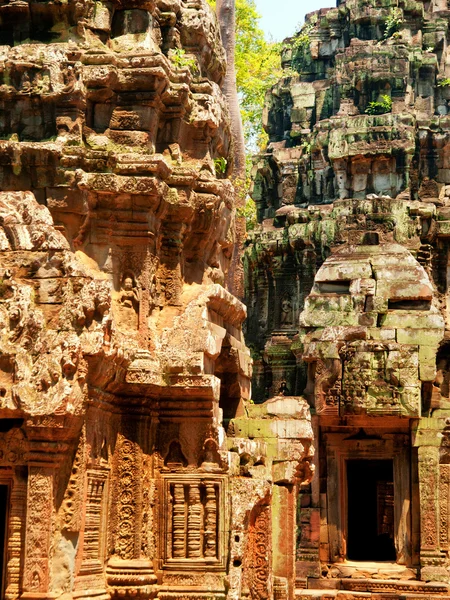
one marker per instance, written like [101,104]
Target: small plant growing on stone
[306,147]
[444,82]
[380,108]
[220,165]
[180,60]
[393,22]
[302,40]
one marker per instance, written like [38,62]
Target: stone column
[129,571]
[39,521]
[432,560]
[90,581]
[16,536]
[284,539]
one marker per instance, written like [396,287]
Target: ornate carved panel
[328,386]
[258,553]
[428,477]
[195,522]
[444,482]
[39,525]
[128,538]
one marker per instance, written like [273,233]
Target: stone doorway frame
[13,544]
[340,449]
[6,479]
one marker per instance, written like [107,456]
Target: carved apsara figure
[129,296]
[286,311]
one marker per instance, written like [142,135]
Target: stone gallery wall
[348,293]
[122,359]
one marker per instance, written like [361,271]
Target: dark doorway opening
[4,503]
[370,510]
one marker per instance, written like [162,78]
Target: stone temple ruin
[347,291]
[135,461]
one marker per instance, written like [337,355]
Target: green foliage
[249,212]
[380,108]
[258,68]
[302,39]
[306,147]
[393,22]
[180,60]
[220,164]
[444,82]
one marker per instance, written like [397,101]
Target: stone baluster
[194,522]
[169,533]
[210,521]
[179,522]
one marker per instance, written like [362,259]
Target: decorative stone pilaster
[259,556]
[130,568]
[16,537]
[39,523]
[432,560]
[90,581]
[444,499]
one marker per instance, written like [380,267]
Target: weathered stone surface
[347,291]
[122,358]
